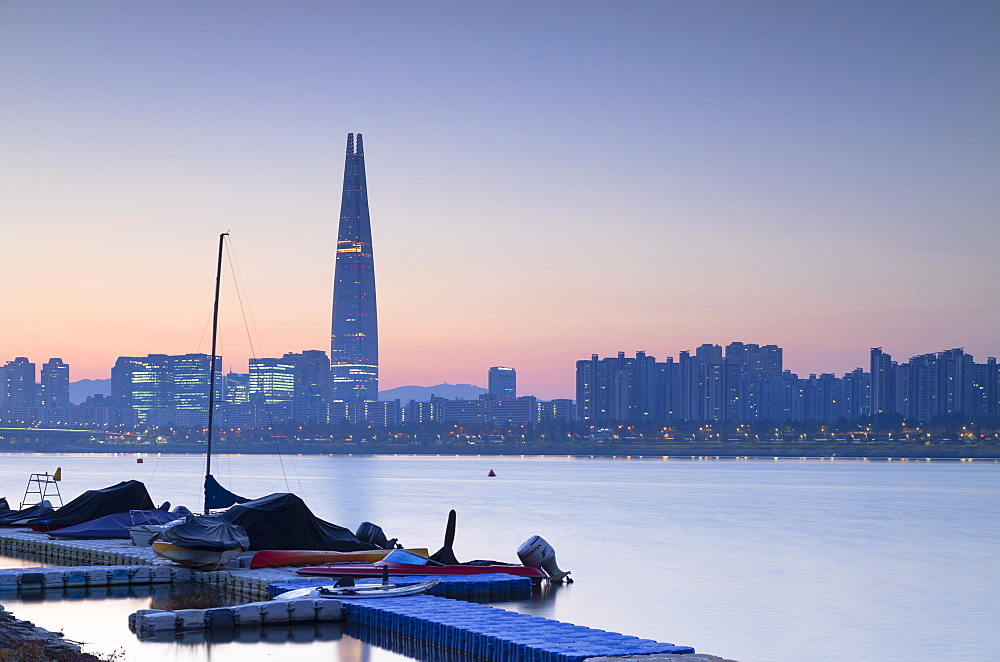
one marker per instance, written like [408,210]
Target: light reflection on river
[758,561]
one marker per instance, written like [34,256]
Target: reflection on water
[20,561]
[32,594]
[410,648]
[753,560]
[278,633]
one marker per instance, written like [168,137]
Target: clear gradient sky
[547,180]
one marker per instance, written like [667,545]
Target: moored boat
[25,515]
[400,563]
[201,542]
[278,558]
[359,591]
[92,504]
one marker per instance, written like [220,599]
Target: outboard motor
[373,534]
[537,553]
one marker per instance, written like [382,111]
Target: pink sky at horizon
[820,177]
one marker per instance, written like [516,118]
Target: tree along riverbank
[620,448]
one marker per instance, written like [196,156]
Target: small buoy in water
[491,473]
[138,460]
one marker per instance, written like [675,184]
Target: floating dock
[465,627]
[438,622]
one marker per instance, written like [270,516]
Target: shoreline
[28,641]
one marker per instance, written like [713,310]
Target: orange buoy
[491,473]
[138,460]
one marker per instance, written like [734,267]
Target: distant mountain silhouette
[424,393]
[82,389]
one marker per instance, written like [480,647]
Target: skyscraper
[55,384]
[354,335]
[19,386]
[503,383]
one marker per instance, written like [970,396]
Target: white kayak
[359,591]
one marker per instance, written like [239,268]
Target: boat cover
[209,533]
[216,496]
[19,517]
[4,508]
[283,521]
[116,525]
[121,498]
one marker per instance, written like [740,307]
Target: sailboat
[206,541]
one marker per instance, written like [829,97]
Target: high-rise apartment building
[354,334]
[19,403]
[883,383]
[55,384]
[503,383]
[19,386]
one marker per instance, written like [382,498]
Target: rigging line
[156,466]
[237,275]
[245,309]
[204,332]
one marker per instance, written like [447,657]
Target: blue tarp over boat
[21,517]
[121,498]
[115,526]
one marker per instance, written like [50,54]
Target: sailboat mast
[211,377]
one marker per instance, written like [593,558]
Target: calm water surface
[759,561]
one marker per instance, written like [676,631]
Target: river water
[755,560]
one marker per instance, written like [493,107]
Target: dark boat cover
[216,496]
[4,508]
[116,526]
[120,498]
[283,521]
[18,517]
[210,533]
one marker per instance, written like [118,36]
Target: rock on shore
[22,641]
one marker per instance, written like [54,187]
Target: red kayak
[420,567]
[406,569]
[278,558]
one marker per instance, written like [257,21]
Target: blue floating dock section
[492,633]
[487,587]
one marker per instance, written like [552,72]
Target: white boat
[198,559]
[142,533]
[359,591]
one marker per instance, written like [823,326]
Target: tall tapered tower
[354,337]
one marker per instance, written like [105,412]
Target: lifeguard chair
[46,486]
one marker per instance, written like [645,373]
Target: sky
[547,180]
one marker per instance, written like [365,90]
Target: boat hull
[278,558]
[359,592]
[142,534]
[408,570]
[198,559]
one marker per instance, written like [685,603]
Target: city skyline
[741,383]
[821,177]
